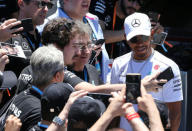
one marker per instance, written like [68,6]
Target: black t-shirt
[92,75]
[25,40]
[7,7]
[71,78]
[25,79]
[27,107]
[104,9]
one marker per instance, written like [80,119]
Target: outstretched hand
[3,59]
[72,98]
[150,82]
[6,30]
[118,107]
[146,102]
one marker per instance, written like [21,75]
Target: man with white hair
[47,68]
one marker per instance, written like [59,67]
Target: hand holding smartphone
[26,24]
[133,83]
[12,50]
[99,43]
[166,74]
[159,38]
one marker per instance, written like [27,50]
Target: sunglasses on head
[42,4]
[69,25]
[140,39]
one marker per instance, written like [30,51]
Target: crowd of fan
[48,73]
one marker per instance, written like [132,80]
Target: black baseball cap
[86,110]
[53,99]
[8,80]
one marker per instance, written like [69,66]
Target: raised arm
[149,82]
[118,107]
[6,31]
[64,113]
[147,104]
[112,35]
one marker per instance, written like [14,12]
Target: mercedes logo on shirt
[135,23]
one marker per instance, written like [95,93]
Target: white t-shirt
[171,91]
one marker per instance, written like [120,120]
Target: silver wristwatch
[58,121]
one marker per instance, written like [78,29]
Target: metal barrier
[186,119]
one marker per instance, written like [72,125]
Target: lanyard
[31,43]
[38,90]
[114,15]
[114,22]
[85,74]
[42,125]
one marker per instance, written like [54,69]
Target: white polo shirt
[171,91]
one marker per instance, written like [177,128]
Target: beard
[71,66]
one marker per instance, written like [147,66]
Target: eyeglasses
[139,39]
[69,25]
[83,47]
[42,4]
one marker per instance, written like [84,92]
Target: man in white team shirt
[145,60]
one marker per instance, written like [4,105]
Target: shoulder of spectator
[167,61]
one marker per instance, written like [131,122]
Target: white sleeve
[172,90]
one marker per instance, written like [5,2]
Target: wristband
[132,116]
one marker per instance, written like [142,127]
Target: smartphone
[166,74]
[100,42]
[10,48]
[133,83]
[154,16]
[101,96]
[13,50]
[159,38]
[26,24]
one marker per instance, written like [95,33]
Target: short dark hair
[61,30]
[86,111]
